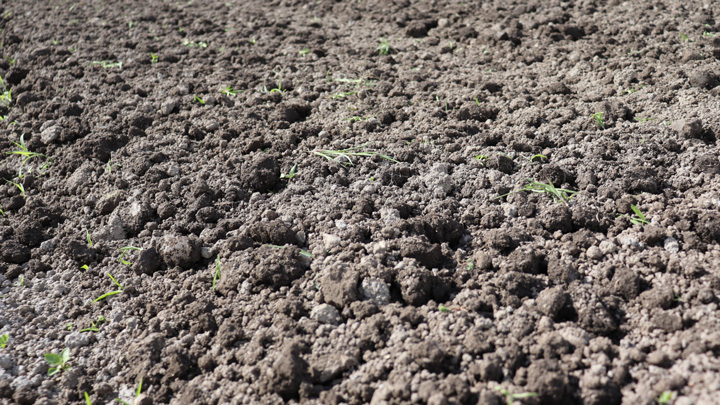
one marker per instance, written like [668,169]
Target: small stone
[594,253]
[607,247]
[179,250]
[148,262]
[6,362]
[659,358]
[704,80]
[671,245]
[325,313]
[375,290]
[109,202]
[168,107]
[77,339]
[143,399]
[113,230]
[51,134]
[688,128]
[330,241]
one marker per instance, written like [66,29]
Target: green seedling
[28,156]
[639,119]
[109,167]
[111,293]
[94,327]
[384,47]
[138,390]
[21,282]
[356,118]
[634,89]
[253,41]
[199,100]
[598,118]
[443,308]
[1,211]
[19,187]
[153,58]
[344,156]
[470,265]
[88,238]
[124,251]
[477,101]
[559,195]
[303,252]
[4,340]
[69,326]
[343,94]
[539,156]
[304,51]
[6,95]
[193,44]
[481,159]
[106,64]
[355,82]
[510,398]
[58,362]
[291,174]
[277,89]
[685,37]
[84,267]
[217,274]
[87,399]
[666,397]
[637,218]
[707,34]
[229,91]
[132,24]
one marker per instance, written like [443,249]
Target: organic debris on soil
[359,202]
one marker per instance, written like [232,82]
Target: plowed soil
[382,202]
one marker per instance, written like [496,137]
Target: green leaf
[53,370]
[87,399]
[524,395]
[111,293]
[53,359]
[3,340]
[65,355]
[139,388]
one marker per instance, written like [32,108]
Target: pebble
[375,290]
[325,313]
[594,253]
[50,134]
[330,241]
[607,247]
[77,339]
[6,362]
[671,245]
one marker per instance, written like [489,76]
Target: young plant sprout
[111,293]
[303,252]
[344,156]
[291,174]
[510,398]
[638,218]
[598,117]
[384,47]
[59,362]
[4,340]
[217,274]
[559,195]
[124,251]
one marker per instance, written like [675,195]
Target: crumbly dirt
[181,148]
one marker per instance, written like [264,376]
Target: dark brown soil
[416,272]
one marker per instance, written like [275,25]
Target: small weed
[666,397]
[4,340]
[106,64]
[277,89]
[19,187]
[59,362]
[138,390]
[84,267]
[253,41]
[153,58]
[6,95]
[384,47]
[684,37]
[477,101]
[217,274]
[290,174]
[481,159]
[303,252]
[598,118]
[132,24]
[510,398]
[109,167]
[198,100]
[356,118]
[69,326]
[124,251]
[639,119]
[87,237]
[21,282]
[111,293]
[539,156]
[1,211]
[229,91]
[469,264]
[304,51]
[707,34]
[93,326]
[559,195]
[344,156]
[342,95]
[637,218]
[634,89]
[87,398]
[28,156]
[193,44]
[443,308]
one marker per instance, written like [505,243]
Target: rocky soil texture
[387,202]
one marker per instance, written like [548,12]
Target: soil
[180,150]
